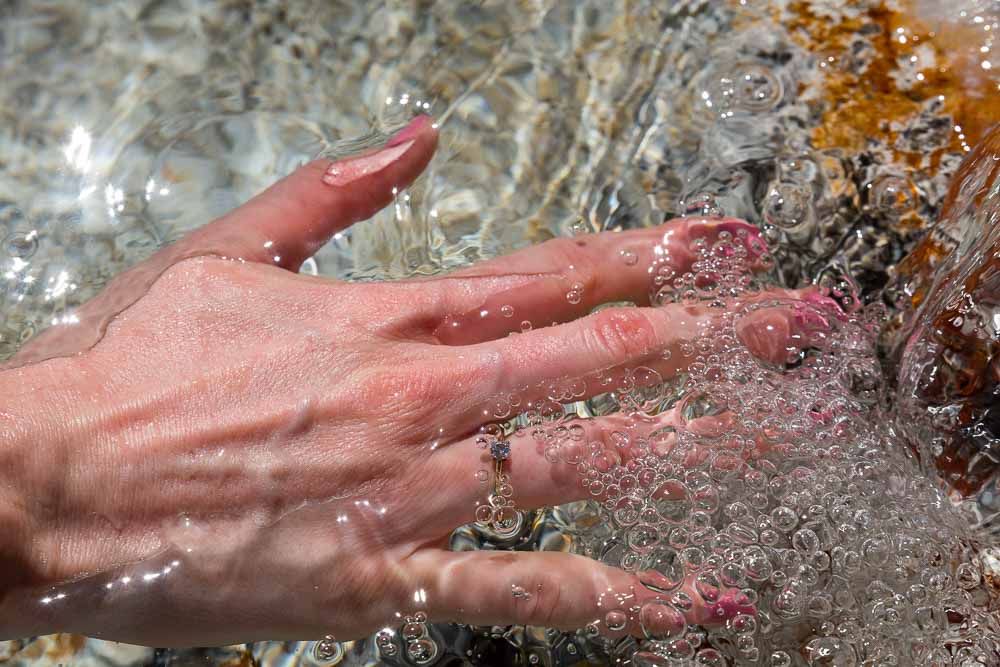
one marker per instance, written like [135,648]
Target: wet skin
[248,453]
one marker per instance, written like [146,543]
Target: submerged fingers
[563,279]
[569,591]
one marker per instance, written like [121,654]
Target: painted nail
[408,132]
[732,604]
[342,172]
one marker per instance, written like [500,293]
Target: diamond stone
[500,450]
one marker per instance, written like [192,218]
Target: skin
[249,453]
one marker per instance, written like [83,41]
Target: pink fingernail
[732,604]
[342,172]
[408,132]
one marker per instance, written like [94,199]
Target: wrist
[29,437]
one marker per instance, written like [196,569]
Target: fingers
[566,591]
[291,220]
[562,279]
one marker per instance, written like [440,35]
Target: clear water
[129,125]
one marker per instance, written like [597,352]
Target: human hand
[251,453]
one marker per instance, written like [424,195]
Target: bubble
[702,205]
[805,540]
[642,537]
[709,657]
[525,326]
[661,621]
[679,649]
[616,620]
[328,650]
[893,195]
[412,631]
[21,245]
[663,570]
[507,310]
[967,576]
[756,88]
[788,206]
[386,644]
[422,651]
[708,587]
[743,624]
[784,518]
[629,257]
[780,659]
[648,659]
[830,652]
[574,296]
[483,476]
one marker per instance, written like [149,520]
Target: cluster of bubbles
[778,481]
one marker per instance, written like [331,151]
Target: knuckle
[621,333]
[576,258]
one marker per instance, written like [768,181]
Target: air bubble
[328,650]
[756,88]
[702,205]
[893,195]
[629,257]
[709,657]
[616,620]
[780,659]
[21,245]
[660,621]
[788,206]
[422,651]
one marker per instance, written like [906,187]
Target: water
[131,125]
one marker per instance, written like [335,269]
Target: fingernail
[732,604]
[342,172]
[408,132]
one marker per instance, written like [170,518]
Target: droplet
[519,593]
[629,257]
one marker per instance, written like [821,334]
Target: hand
[251,453]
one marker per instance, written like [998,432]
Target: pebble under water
[835,485]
